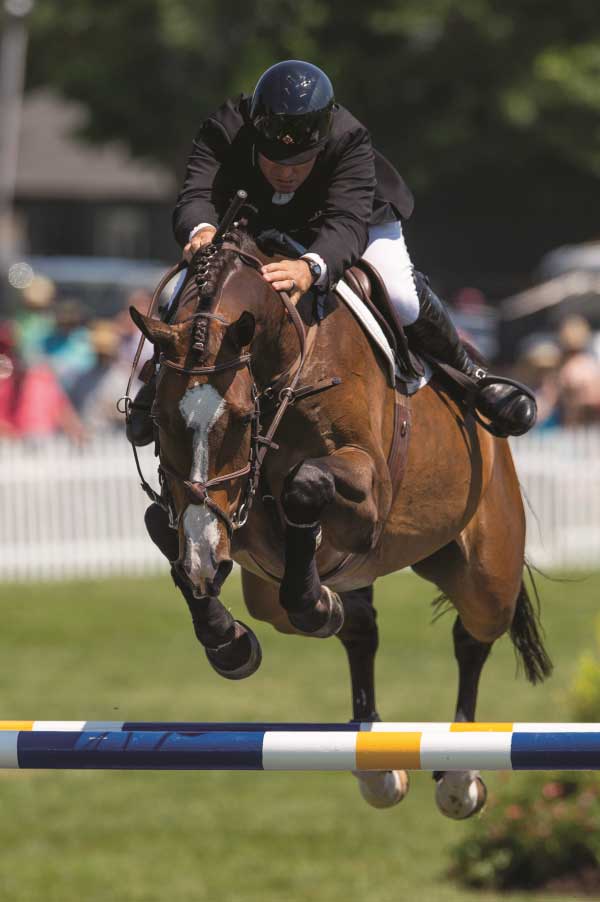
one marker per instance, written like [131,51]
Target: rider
[310,171]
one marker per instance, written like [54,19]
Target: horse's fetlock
[210,638]
[213,624]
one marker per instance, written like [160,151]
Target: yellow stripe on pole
[16,725]
[387,751]
[481,728]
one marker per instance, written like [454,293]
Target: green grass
[125,650]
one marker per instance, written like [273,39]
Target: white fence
[67,511]
[560,477]
[72,512]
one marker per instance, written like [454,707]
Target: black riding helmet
[291,110]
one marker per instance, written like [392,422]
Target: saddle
[367,284]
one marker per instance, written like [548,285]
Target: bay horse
[275,427]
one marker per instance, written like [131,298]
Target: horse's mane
[210,267]
[211,264]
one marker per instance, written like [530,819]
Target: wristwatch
[315,269]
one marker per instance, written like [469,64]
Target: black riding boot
[140,428]
[509,406]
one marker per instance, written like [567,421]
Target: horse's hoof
[334,613]
[460,794]
[382,788]
[239,658]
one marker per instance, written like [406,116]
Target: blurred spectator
[130,334]
[95,393]
[35,320]
[9,380]
[538,368]
[32,402]
[579,375]
[67,347]
[476,320]
[469,300]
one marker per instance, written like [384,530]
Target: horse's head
[206,410]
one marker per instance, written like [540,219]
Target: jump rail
[123,745]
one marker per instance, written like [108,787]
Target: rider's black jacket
[350,187]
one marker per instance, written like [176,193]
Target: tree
[482,105]
[445,83]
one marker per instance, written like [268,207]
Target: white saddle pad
[377,336]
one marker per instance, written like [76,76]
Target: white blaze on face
[201,529]
[201,407]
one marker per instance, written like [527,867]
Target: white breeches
[388,253]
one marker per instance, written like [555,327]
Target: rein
[125,404]
[260,444]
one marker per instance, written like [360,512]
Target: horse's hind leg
[231,647]
[470,656]
[461,794]
[360,638]
[482,575]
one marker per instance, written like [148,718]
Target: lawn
[126,650]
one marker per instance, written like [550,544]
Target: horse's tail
[525,632]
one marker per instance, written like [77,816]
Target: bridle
[281,393]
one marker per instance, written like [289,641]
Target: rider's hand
[293,276]
[200,239]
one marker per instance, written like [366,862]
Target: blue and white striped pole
[298,747]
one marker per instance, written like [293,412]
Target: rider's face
[285,178]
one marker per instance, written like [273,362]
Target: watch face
[315,269]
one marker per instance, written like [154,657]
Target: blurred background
[492,114]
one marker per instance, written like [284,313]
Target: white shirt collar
[281,199]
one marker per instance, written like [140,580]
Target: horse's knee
[307,489]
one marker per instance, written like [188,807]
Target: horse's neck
[278,344]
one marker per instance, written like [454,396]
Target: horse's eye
[247,419]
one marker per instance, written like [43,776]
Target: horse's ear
[157,332]
[241,331]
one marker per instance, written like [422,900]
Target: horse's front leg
[231,647]
[311,488]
